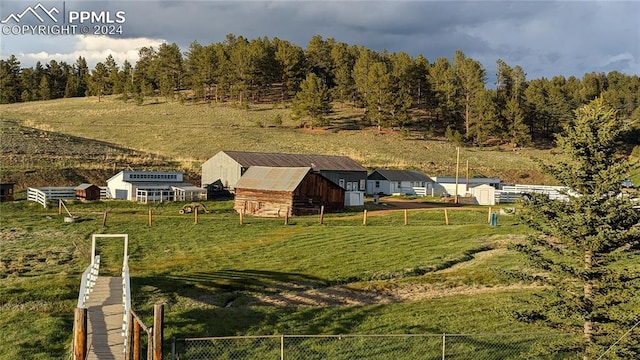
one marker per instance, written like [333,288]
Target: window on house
[363,184]
[377,184]
[341,183]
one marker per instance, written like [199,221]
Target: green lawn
[198,269]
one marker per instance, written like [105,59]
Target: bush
[453,135]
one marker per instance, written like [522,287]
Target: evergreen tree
[313,100]
[441,77]
[344,58]
[168,69]
[290,64]
[484,123]
[45,88]
[113,83]
[10,90]
[470,76]
[582,244]
[318,58]
[99,80]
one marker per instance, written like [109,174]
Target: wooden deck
[104,323]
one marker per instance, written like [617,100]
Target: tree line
[394,89]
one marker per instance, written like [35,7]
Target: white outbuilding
[152,186]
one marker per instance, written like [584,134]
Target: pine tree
[10,90]
[585,249]
[313,100]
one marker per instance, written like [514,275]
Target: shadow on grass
[227,302]
[221,288]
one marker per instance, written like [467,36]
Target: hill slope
[189,134]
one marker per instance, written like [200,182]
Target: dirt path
[344,296]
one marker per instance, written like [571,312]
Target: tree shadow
[230,302]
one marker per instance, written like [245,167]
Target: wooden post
[240,213]
[406,217]
[195,215]
[321,214]
[467,176]
[129,344]
[136,340]
[104,219]
[150,218]
[489,216]
[457,173]
[150,344]
[80,334]
[446,217]
[59,206]
[364,218]
[286,217]
[158,330]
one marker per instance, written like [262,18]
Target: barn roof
[316,162]
[84,186]
[401,175]
[272,178]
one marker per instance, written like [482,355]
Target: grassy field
[222,278]
[188,134]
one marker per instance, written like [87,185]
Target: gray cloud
[546,38]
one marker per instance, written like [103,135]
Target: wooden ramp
[104,324]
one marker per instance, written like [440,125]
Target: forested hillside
[441,96]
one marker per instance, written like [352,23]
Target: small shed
[86,191]
[272,191]
[484,194]
[6,192]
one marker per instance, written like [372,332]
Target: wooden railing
[89,277]
[126,301]
[45,194]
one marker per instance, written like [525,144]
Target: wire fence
[374,347]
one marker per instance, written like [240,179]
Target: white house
[447,185]
[151,186]
[404,182]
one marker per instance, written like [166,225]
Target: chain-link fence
[374,347]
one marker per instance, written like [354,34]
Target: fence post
[286,217]
[240,213]
[173,348]
[281,347]
[150,344]
[321,214]
[129,344]
[446,217]
[136,340]
[489,216]
[59,206]
[195,215]
[444,347]
[104,219]
[150,218]
[406,217]
[80,334]
[364,218]
[158,330]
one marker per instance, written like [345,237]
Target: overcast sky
[545,38]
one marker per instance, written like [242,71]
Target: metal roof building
[229,166]
[276,191]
